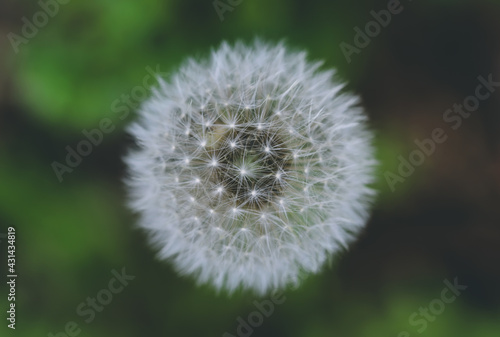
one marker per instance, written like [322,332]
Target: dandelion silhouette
[252,167]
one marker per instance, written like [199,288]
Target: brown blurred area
[449,221]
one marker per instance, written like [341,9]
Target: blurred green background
[441,223]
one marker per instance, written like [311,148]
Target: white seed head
[251,168]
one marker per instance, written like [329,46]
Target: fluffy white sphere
[252,167]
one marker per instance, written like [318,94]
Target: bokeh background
[441,223]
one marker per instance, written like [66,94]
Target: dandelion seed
[267,154]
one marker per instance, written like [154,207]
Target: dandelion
[252,168]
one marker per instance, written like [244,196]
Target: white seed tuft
[251,168]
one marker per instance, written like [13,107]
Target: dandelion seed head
[258,182]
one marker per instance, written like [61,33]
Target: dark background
[441,223]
